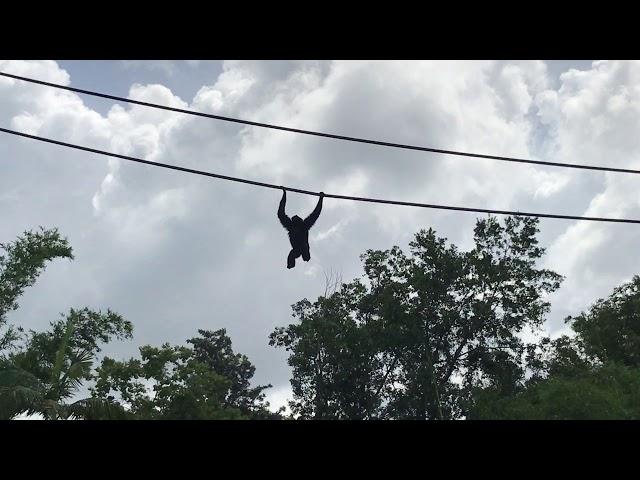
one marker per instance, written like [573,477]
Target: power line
[308,192]
[326,135]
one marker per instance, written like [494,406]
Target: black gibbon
[298,230]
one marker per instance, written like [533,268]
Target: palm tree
[27,386]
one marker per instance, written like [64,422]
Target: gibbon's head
[296,220]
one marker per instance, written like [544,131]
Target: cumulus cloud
[594,115]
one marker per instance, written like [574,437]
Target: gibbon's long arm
[284,220]
[311,219]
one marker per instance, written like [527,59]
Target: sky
[174,253]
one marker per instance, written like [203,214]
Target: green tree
[595,374]
[339,369]
[214,349]
[21,262]
[422,331]
[208,381]
[605,392]
[49,368]
[610,330]
[53,365]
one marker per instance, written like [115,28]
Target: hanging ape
[298,230]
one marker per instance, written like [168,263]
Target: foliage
[207,381]
[20,265]
[606,392]
[53,365]
[424,331]
[610,330]
[594,374]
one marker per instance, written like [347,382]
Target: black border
[522,440]
[458,30]
[321,31]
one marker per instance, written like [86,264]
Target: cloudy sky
[174,252]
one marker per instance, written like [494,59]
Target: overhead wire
[323,134]
[308,192]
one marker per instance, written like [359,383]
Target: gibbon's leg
[291,259]
[306,256]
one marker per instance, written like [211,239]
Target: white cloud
[595,115]
[279,397]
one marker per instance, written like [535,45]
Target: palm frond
[97,409]
[20,392]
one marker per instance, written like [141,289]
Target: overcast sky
[174,252]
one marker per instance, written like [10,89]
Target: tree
[606,392]
[610,330]
[208,381]
[338,368]
[594,374]
[421,332]
[53,365]
[20,265]
[213,349]
[43,373]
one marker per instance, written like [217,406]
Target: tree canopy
[44,372]
[419,332]
[208,381]
[435,333]
[594,374]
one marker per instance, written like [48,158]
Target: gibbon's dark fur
[298,230]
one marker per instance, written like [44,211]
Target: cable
[308,192]
[326,135]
